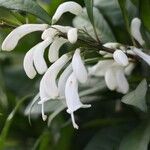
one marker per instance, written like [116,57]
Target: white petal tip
[44,117]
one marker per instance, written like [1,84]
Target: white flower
[53,53]
[110,78]
[12,39]
[62,80]
[72,98]
[122,82]
[38,56]
[28,64]
[142,55]
[128,70]
[120,57]
[115,79]
[49,33]
[48,82]
[70,6]
[135,30]
[100,68]
[78,67]
[34,59]
[72,35]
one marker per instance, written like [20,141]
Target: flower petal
[72,97]
[78,67]
[38,56]
[110,79]
[53,54]
[48,82]
[62,80]
[12,39]
[49,33]
[28,64]
[72,35]
[123,86]
[70,6]
[135,30]
[121,58]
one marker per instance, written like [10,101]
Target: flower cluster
[70,66]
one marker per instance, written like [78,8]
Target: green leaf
[8,122]
[108,138]
[89,8]
[8,16]
[138,139]
[28,6]
[145,13]
[125,15]
[137,97]
[102,27]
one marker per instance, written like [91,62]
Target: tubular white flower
[49,33]
[72,35]
[78,67]
[121,58]
[123,86]
[12,39]
[135,30]
[72,97]
[28,64]
[38,56]
[100,68]
[110,78]
[142,55]
[48,82]
[53,53]
[62,80]
[70,6]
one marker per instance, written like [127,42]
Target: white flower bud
[135,30]
[12,39]
[72,35]
[70,6]
[53,53]
[38,56]
[142,55]
[72,97]
[121,58]
[78,67]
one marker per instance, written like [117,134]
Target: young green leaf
[137,97]
[28,6]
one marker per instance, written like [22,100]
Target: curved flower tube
[12,39]
[70,6]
